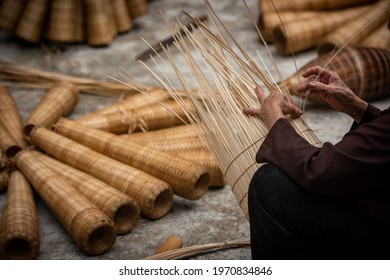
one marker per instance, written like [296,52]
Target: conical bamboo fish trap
[10,11]
[302,34]
[19,232]
[137,8]
[7,143]
[186,178]
[225,82]
[4,170]
[4,177]
[365,70]
[380,38]
[88,226]
[353,32]
[119,207]
[30,25]
[153,196]
[58,102]
[122,16]
[10,117]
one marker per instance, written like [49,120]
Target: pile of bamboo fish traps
[96,179]
[96,22]
[294,26]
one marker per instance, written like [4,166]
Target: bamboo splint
[119,207]
[10,117]
[186,178]
[19,232]
[153,196]
[58,102]
[88,226]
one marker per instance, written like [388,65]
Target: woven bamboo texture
[119,207]
[153,196]
[4,171]
[137,8]
[10,117]
[123,19]
[59,101]
[365,70]
[7,143]
[380,38]
[88,226]
[10,11]
[19,234]
[4,177]
[186,178]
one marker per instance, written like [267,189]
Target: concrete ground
[215,217]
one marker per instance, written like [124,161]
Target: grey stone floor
[215,217]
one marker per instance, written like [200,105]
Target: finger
[317,86]
[315,70]
[251,112]
[260,94]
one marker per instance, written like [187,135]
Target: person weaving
[329,202]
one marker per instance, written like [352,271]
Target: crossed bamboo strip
[153,196]
[119,207]
[19,231]
[187,178]
[88,226]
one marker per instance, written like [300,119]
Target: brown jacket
[358,166]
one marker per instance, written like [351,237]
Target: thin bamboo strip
[189,251]
[119,207]
[175,144]
[153,196]
[19,235]
[58,102]
[31,23]
[88,226]
[10,117]
[364,70]
[186,178]
[380,38]
[130,103]
[122,16]
[355,31]
[8,143]
[4,178]
[172,242]
[137,8]
[153,117]
[24,76]
[302,34]
[10,11]
[62,25]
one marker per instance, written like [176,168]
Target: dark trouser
[287,222]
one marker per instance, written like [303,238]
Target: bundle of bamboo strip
[225,81]
[153,196]
[119,207]
[69,21]
[19,232]
[58,102]
[88,226]
[186,178]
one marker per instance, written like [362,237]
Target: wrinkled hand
[274,106]
[335,92]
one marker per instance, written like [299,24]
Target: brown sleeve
[355,165]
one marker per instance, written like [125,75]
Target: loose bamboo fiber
[365,70]
[62,21]
[353,32]
[88,226]
[130,103]
[58,102]
[187,178]
[299,35]
[153,196]
[101,26]
[225,79]
[153,117]
[19,231]
[30,26]
[137,8]
[119,207]
[10,11]
[300,5]
[379,38]
[10,117]
[172,242]
[122,16]
[7,143]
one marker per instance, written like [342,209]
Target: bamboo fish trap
[89,227]
[186,178]
[58,102]
[19,232]
[225,81]
[119,207]
[365,70]
[4,170]
[7,142]
[153,196]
